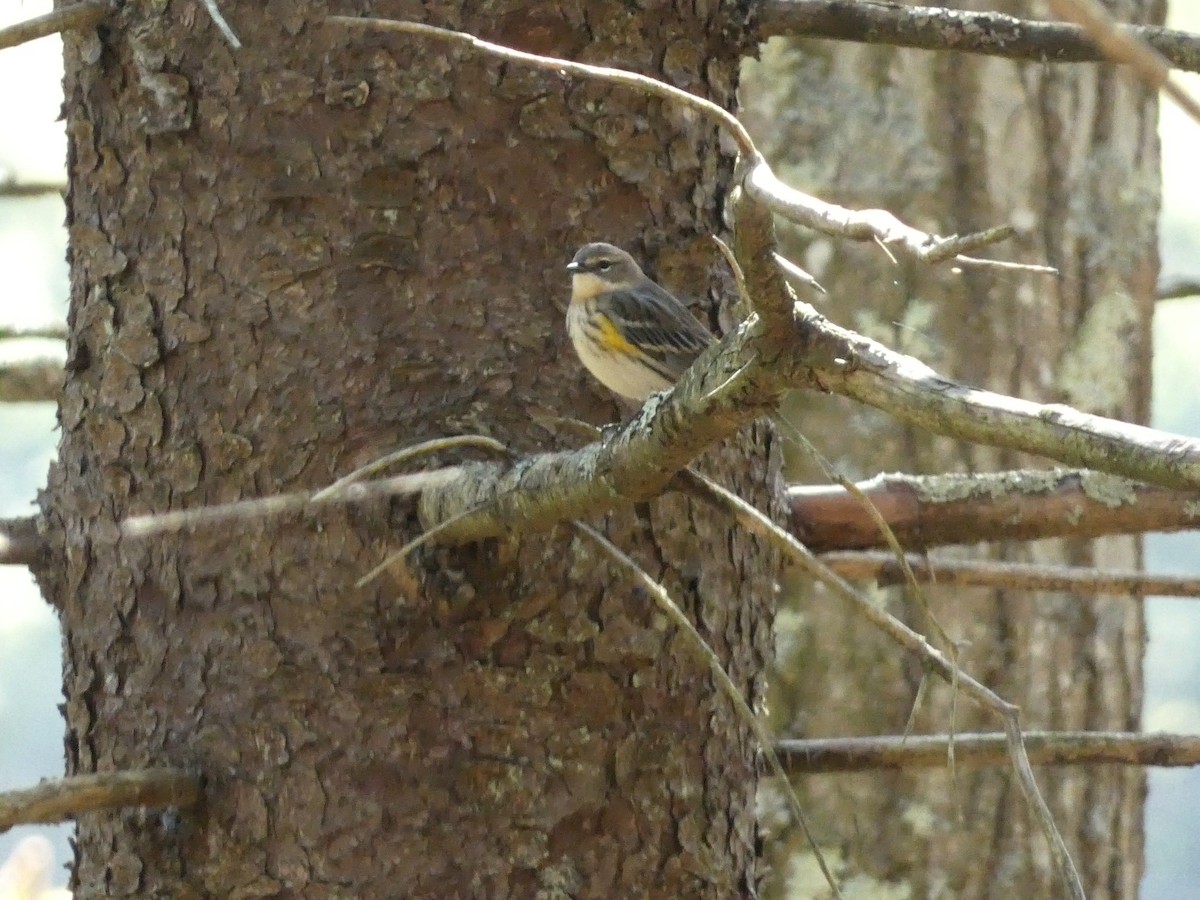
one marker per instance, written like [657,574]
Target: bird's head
[599,268]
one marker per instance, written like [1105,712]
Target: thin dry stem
[406,454]
[641,83]
[223,26]
[671,609]
[60,799]
[1123,47]
[910,640]
[78,15]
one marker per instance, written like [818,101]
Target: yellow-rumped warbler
[631,334]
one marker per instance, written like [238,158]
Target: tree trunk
[287,260]
[1069,155]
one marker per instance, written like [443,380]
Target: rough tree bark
[1068,154]
[291,258]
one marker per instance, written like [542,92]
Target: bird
[632,335]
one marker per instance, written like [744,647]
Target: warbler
[631,334]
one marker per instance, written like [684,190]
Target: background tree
[955,143]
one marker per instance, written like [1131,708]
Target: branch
[1177,289]
[1046,748]
[928,511]
[79,15]
[20,542]
[885,568]
[31,370]
[937,28]
[1122,47]
[12,188]
[60,799]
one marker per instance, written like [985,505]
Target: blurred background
[33,292]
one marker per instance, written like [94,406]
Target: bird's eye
[603,266]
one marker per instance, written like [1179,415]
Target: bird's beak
[574,267]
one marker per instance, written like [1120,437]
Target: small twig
[419,541]
[671,609]
[877,225]
[31,370]
[78,15]
[1008,575]
[795,272]
[282,504]
[61,799]
[56,331]
[966,31]
[20,543]
[13,188]
[222,25]
[406,454]
[606,73]
[1123,47]
[1046,748]
[1177,289]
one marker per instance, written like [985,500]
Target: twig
[1014,576]
[671,609]
[1177,289]
[20,543]
[420,540]
[928,511]
[870,224]
[901,634]
[56,331]
[405,454]
[281,504]
[1046,748]
[222,25]
[606,73]
[1123,47]
[31,371]
[13,188]
[60,799]
[78,15]
[939,28]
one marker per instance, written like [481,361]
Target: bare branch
[884,568]
[282,504]
[1123,47]
[61,799]
[938,28]
[928,511]
[55,331]
[1177,289]
[1046,748]
[78,15]
[870,224]
[31,370]
[20,542]
[12,188]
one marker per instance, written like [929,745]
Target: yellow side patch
[611,339]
